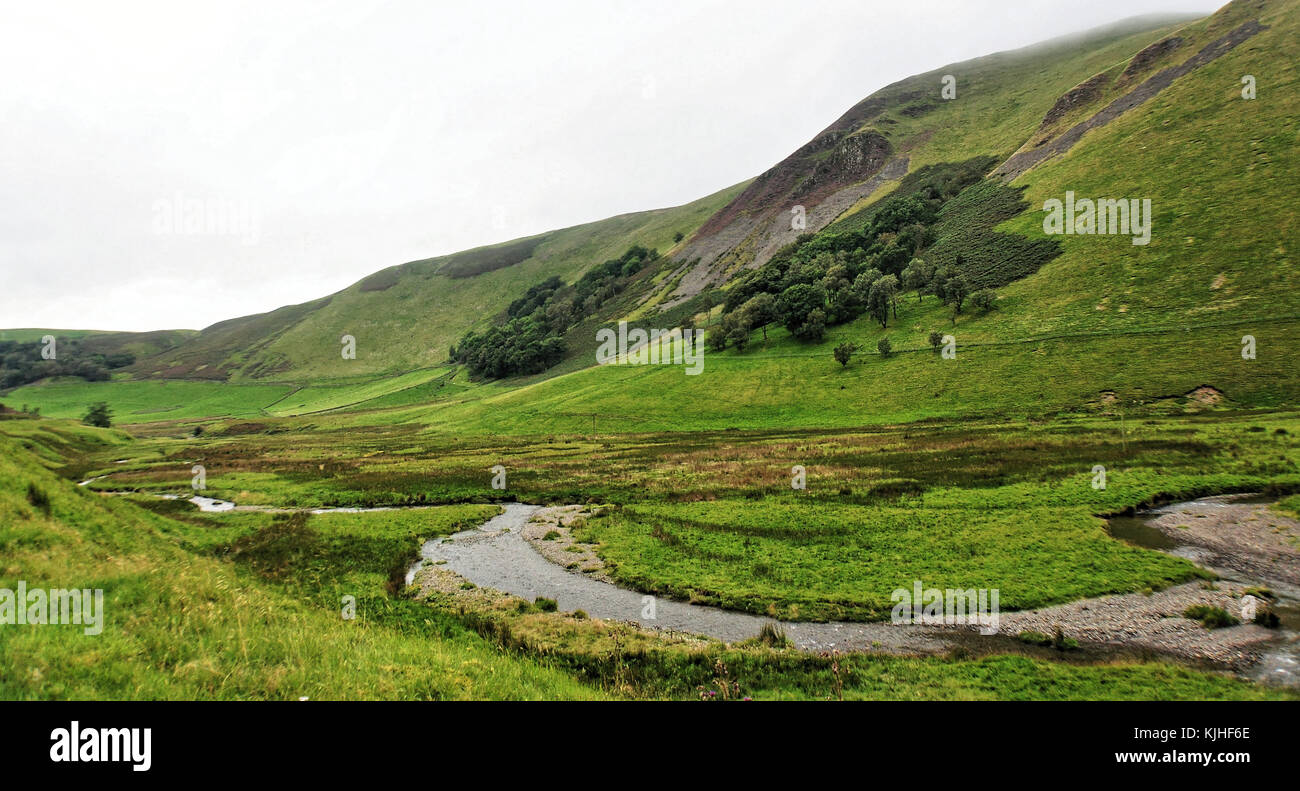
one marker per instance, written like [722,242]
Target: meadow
[247,605]
[713,517]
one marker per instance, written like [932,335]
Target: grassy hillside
[405,317]
[1105,321]
[1000,100]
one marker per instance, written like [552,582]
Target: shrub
[1034,638]
[844,352]
[1210,617]
[936,340]
[1056,640]
[884,347]
[771,634]
[544,604]
[98,415]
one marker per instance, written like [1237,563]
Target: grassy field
[712,516]
[247,605]
[147,401]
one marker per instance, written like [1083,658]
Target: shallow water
[1280,664]
[496,555]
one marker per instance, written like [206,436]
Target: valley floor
[710,519]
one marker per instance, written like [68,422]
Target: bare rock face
[1143,60]
[817,183]
[1082,94]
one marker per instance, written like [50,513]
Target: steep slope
[1103,326]
[997,103]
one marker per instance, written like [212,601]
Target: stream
[496,555]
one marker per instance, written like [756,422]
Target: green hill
[406,317]
[1147,109]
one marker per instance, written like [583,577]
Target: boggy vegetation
[713,516]
[742,538]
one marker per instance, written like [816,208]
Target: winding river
[497,555]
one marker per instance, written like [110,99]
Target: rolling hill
[1150,109]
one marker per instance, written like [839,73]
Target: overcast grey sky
[337,138]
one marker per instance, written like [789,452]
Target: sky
[169,165]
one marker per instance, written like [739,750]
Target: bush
[544,604]
[1056,640]
[936,340]
[844,352]
[98,415]
[884,347]
[771,634]
[1210,617]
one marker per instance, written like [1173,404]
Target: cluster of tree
[530,338]
[844,352]
[21,362]
[806,297]
[835,276]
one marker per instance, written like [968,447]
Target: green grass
[186,626]
[827,562]
[147,401]
[1290,506]
[247,605]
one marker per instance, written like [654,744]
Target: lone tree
[984,300]
[955,292]
[98,415]
[936,340]
[844,352]
[884,347]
